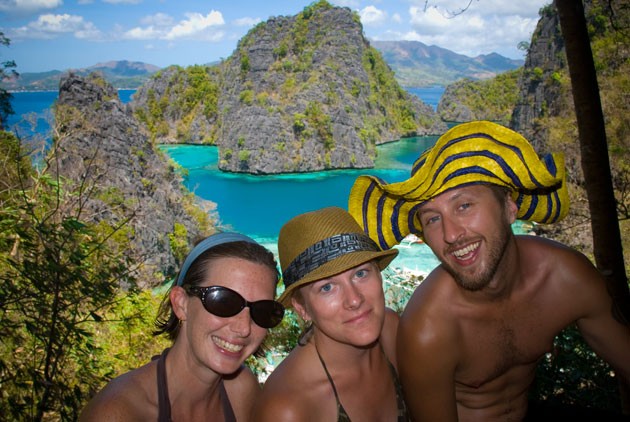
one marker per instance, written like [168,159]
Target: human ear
[179,302]
[511,209]
[299,307]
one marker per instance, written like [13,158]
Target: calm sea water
[259,205]
[430,96]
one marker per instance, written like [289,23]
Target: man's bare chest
[494,345]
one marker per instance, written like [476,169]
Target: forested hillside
[492,99]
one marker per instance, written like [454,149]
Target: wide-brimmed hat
[322,243]
[470,153]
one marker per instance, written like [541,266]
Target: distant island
[415,65]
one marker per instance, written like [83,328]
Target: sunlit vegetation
[190,92]
[491,99]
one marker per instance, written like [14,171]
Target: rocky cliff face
[307,93]
[102,143]
[545,113]
[540,89]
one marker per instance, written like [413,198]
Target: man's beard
[475,282]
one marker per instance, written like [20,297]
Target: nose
[353,297]
[451,229]
[241,323]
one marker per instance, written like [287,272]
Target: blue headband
[208,243]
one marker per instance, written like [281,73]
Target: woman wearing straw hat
[217,313]
[343,368]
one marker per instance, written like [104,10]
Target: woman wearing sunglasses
[344,365]
[217,313]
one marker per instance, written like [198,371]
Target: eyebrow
[423,208]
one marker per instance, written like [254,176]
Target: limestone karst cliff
[300,93]
[100,141]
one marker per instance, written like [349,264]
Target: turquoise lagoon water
[259,205]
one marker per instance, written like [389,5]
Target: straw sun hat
[322,243]
[470,153]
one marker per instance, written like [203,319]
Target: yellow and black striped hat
[470,153]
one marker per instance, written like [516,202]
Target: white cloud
[370,15]
[161,26]
[51,26]
[147,33]
[195,26]
[247,22]
[24,7]
[485,27]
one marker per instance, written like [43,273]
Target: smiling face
[223,344]
[468,229]
[348,307]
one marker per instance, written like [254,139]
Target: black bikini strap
[164,403]
[327,373]
[225,402]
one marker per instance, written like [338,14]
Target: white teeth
[468,249]
[227,346]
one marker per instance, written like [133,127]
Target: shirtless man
[474,330]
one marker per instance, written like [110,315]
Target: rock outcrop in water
[100,141]
[299,94]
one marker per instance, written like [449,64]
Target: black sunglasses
[224,302]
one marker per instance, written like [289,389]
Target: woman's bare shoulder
[291,393]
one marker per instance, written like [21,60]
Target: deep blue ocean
[259,205]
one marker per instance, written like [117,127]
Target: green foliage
[574,374]
[247,97]
[178,241]
[6,71]
[491,99]
[189,92]
[244,64]
[321,123]
[298,122]
[122,337]
[262,98]
[281,51]
[58,274]
[387,97]
[244,155]
[356,88]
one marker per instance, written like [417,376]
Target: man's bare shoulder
[545,249]
[429,318]
[128,397]
[556,262]
[433,294]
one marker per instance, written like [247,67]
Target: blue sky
[69,34]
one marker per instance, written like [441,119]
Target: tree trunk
[607,244]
